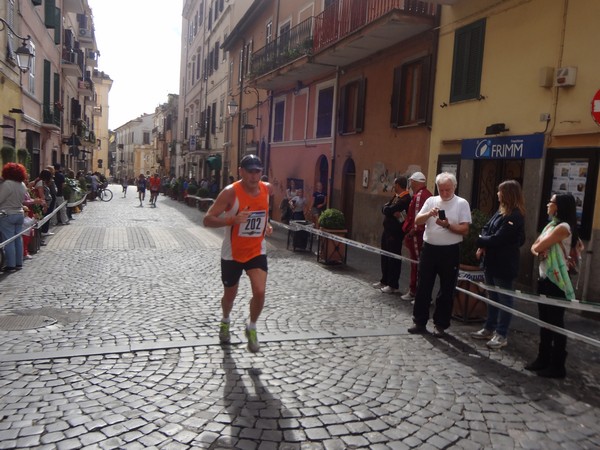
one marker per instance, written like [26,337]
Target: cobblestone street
[125,353]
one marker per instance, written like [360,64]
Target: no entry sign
[596,107]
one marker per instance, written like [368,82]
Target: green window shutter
[57,28]
[468,61]
[424,113]
[56,87]
[342,109]
[47,81]
[50,13]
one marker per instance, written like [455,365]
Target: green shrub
[468,246]
[192,189]
[332,219]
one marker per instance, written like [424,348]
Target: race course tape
[574,305]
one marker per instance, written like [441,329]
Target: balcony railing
[51,114]
[291,45]
[346,16]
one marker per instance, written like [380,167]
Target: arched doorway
[348,183]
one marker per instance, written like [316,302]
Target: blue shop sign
[530,146]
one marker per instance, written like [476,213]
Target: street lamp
[232,107]
[23,54]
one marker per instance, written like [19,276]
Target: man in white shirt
[446,217]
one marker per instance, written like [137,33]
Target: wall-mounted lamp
[23,54]
[232,107]
[496,128]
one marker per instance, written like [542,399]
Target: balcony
[69,63]
[346,32]
[51,116]
[85,87]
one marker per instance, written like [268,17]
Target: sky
[140,47]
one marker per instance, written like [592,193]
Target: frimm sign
[506,147]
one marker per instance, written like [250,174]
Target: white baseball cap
[418,176]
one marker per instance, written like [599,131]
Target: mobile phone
[442,214]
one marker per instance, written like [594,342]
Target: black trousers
[551,341]
[391,267]
[436,261]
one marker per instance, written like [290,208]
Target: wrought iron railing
[288,46]
[51,114]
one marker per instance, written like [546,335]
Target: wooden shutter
[395,102]
[360,107]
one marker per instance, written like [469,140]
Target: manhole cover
[15,323]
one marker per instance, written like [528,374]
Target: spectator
[42,190]
[297,204]
[319,203]
[12,195]
[59,181]
[414,233]
[551,247]
[498,246]
[446,217]
[394,213]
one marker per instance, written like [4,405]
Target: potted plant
[332,221]
[8,154]
[465,307]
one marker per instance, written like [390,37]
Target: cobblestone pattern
[336,370]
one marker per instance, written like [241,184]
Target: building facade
[514,99]
[51,107]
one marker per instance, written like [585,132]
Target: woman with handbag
[551,247]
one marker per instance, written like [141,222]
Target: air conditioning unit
[85,34]
[565,76]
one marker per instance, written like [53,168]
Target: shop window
[573,171]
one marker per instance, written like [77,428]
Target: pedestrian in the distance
[498,248]
[141,188]
[394,215]
[552,247]
[446,217]
[124,184]
[242,208]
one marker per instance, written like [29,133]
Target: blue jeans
[10,226]
[498,320]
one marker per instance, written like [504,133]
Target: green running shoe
[253,345]
[224,335]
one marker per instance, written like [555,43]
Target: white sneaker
[388,290]
[378,285]
[27,257]
[408,296]
[49,233]
[497,341]
[482,334]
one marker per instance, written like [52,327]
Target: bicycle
[104,194]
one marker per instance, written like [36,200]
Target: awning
[214,162]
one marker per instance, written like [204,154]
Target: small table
[300,240]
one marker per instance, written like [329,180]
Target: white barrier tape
[514,312]
[78,202]
[16,236]
[296,226]
[573,304]
[51,215]
[576,304]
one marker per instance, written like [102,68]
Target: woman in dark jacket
[394,213]
[499,246]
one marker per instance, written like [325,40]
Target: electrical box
[565,76]
[547,77]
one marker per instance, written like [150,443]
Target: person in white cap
[413,239]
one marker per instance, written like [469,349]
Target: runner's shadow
[254,413]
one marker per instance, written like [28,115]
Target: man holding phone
[446,217]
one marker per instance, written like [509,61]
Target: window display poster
[571,177]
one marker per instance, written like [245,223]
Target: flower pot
[330,251]
[465,307]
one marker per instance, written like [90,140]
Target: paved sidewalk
[124,354]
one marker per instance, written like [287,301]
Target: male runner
[242,208]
